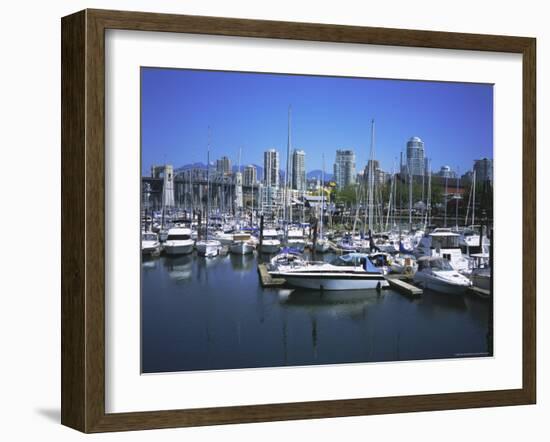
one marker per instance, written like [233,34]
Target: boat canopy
[356,259]
[289,251]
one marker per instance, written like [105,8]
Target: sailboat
[208,247]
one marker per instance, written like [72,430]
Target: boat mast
[429,199]
[474,199]
[456,199]
[390,198]
[371,177]
[208,182]
[322,196]
[410,196]
[287,176]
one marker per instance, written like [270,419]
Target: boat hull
[208,249]
[241,248]
[150,250]
[440,286]
[178,249]
[334,282]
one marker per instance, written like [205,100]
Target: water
[211,313]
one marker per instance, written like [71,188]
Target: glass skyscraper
[299,170]
[344,168]
[271,168]
[415,157]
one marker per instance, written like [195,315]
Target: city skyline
[248,112]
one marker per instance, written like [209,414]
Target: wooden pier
[482,293]
[266,279]
[399,283]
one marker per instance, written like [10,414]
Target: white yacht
[270,241]
[242,244]
[225,238]
[209,247]
[178,241]
[150,244]
[296,240]
[348,272]
[437,274]
[444,243]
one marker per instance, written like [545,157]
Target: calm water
[211,313]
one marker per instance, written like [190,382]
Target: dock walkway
[399,283]
[267,280]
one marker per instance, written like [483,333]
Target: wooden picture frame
[83,219]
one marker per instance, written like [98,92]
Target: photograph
[291,220]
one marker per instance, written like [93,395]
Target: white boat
[481,272]
[270,241]
[178,242]
[225,238]
[296,240]
[348,272]
[242,244]
[150,244]
[437,274]
[209,247]
[403,264]
[444,244]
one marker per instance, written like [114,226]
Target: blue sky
[249,111]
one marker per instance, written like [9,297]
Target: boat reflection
[337,303]
[242,263]
[179,267]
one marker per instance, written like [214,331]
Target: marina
[214,313]
[282,264]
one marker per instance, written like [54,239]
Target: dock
[266,279]
[482,293]
[399,284]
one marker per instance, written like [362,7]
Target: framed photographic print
[269,220]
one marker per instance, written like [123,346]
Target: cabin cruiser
[209,247]
[150,244]
[353,271]
[270,242]
[295,239]
[444,244]
[178,241]
[242,244]
[436,273]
